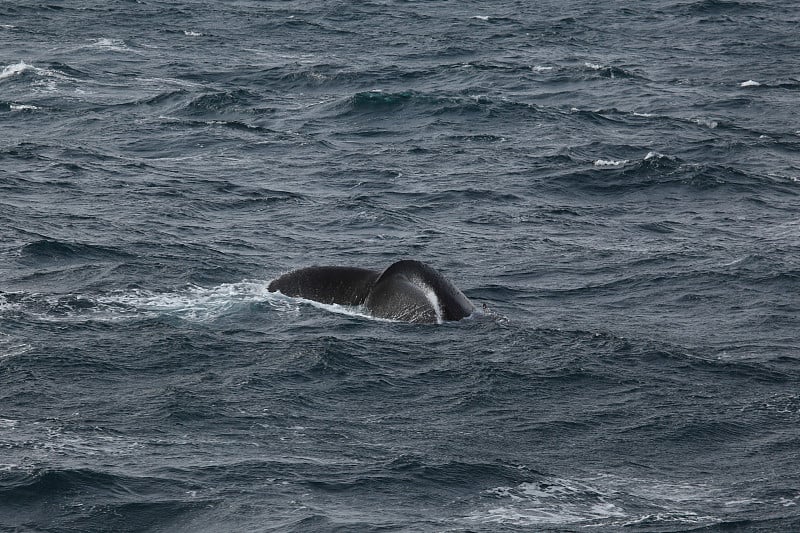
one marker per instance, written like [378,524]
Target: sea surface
[615,185]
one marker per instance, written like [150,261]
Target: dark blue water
[619,183]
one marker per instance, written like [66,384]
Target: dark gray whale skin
[408,290]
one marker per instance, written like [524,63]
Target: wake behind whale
[408,290]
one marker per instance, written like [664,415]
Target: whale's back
[327,284]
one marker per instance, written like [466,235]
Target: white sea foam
[600,500]
[749,83]
[539,68]
[201,304]
[481,17]
[558,501]
[23,107]
[190,33]
[194,303]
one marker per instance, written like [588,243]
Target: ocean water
[618,183]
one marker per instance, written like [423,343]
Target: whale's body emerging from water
[408,290]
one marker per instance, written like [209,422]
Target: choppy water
[616,182]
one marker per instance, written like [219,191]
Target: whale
[407,291]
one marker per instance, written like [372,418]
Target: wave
[236,110]
[86,499]
[10,346]
[612,72]
[616,117]
[467,195]
[54,70]
[411,104]
[216,102]
[382,100]
[410,470]
[718,7]
[621,175]
[51,251]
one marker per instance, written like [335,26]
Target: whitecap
[706,122]
[14,69]
[611,162]
[45,77]
[593,66]
[23,107]
[749,83]
[481,17]
[190,33]
[539,68]
[113,45]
